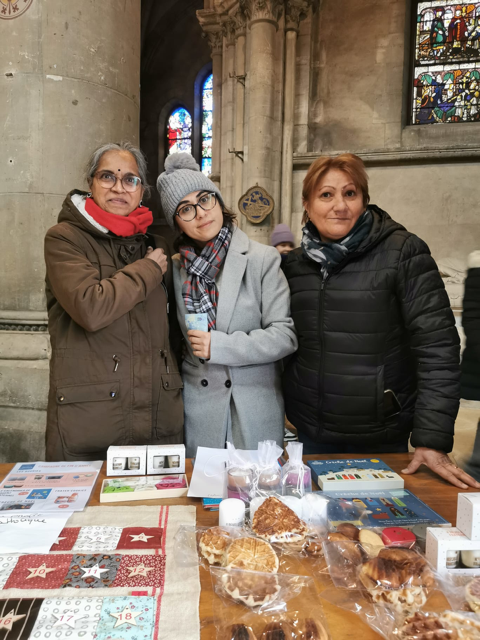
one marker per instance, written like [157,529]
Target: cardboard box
[165,458]
[127,461]
[468,514]
[442,545]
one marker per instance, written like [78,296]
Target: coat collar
[233,270]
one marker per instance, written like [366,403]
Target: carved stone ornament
[295,12]
[212,29]
[215,40]
[269,10]
[240,19]
[256,204]
[228,25]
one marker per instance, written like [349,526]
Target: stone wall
[69,81]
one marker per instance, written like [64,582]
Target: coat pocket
[169,420]
[90,416]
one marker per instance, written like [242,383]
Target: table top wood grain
[434,491]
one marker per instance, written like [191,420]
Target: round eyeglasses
[188,212]
[108,180]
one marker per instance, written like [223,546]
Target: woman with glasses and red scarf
[235,287]
[114,378]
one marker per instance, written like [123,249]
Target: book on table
[363,474]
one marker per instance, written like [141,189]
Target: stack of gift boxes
[457,549]
[140,460]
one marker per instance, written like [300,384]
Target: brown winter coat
[113,376]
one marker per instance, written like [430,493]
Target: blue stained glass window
[446,78]
[207,119]
[179,131]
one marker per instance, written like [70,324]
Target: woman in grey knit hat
[232,367]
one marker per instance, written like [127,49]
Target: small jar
[239,483]
[134,464]
[231,513]
[173,462]
[119,464]
[452,558]
[269,481]
[471,559]
[158,462]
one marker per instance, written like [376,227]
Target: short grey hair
[94,161]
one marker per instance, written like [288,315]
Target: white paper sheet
[209,478]
[30,532]
[41,487]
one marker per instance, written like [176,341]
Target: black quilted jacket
[471,326]
[381,321]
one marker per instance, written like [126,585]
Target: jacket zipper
[322,347]
[116,359]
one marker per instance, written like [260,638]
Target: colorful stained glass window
[446,85]
[207,119]
[179,131]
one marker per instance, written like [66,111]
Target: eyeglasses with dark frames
[188,212]
[108,180]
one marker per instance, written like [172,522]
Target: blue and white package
[196,321]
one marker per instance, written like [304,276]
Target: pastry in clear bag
[448,625]
[275,522]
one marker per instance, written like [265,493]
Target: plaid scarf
[330,254]
[199,290]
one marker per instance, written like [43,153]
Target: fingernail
[464,486]
[404,471]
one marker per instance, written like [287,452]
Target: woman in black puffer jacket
[378,355]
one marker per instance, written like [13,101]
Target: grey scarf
[330,254]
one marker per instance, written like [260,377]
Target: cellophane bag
[462,590]
[204,545]
[265,606]
[268,476]
[241,474]
[296,476]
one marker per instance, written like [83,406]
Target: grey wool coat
[237,393]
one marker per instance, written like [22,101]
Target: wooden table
[439,495]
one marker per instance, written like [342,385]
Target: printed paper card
[196,321]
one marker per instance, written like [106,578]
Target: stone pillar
[212,30]
[295,10]
[263,18]
[67,84]
[240,33]
[228,104]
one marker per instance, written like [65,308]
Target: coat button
[113,394]
[132,248]
[228,384]
[202,361]
[204,383]
[165,384]
[61,398]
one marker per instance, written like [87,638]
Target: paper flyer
[30,533]
[45,487]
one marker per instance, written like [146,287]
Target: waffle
[281,630]
[275,522]
[472,594]
[252,589]
[253,555]
[311,629]
[448,625]
[213,545]
[238,632]
[399,577]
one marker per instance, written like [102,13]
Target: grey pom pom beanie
[182,175]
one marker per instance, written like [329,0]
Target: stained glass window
[207,119]
[179,131]
[446,85]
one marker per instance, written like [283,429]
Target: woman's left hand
[440,463]
[200,341]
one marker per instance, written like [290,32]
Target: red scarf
[136,222]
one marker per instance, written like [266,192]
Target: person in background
[378,356]
[282,239]
[284,242]
[232,371]
[470,379]
[113,373]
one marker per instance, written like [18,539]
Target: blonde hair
[348,162]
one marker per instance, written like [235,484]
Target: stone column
[263,18]
[212,30]
[67,84]
[295,10]
[240,33]
[228,104]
